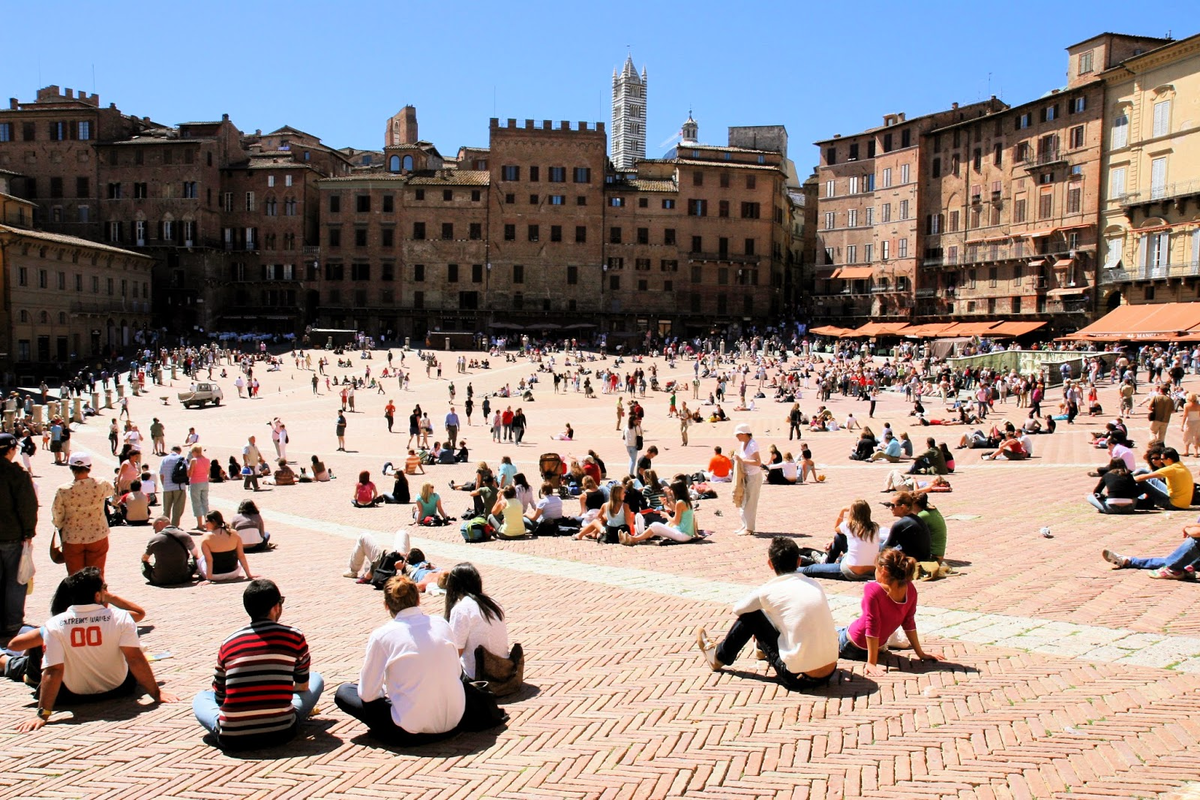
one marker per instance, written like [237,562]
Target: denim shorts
[848,649]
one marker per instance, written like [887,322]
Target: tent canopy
[1159,321]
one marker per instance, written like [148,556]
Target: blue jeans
[848,649]
[633,451]
[13,593]
[1102,505]
[834,571]
[1186,554]
[206,709]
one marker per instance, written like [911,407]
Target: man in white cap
[747,454]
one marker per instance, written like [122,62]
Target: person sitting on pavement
[248,523]
[1170,485]
[506,517]
[427,506]
[549,508]
[889,449]
[720,467]
[932,461]
[908,533]
[864,448]
[400,494]
[1011,449]
[368,554]
[1179,565]
[170,557]
[852,553]
[223,556]
[790,619]
[365,495]
[483,496]
[284,475]
[92,652]
[1116,492]
[134,505]
[935,522]
[263,686]
[476,620]
[319,473]
[409,691]
[889,603]
[680,528]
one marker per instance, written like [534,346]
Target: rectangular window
[558,199]
[723,209]
[362,203]
[533,199]
[853,187]
[697,208]
[389,203]
[583,174]
[1046,205]
[669,236]
[1158,178]
[452,273]
[1116,183]
[533,233]
[557,174]
[903,209]
[852,218]
[1085,63]
[751,210]
[887,178]
[697,178]
[249,201]
[829,220]
[1120,131]
[418,273]
[518,273]
[936,167]
[477,273]
[447,230]
[387,237]
[1076,137]
[884,247]
[6,130]
[851,254]
[534,174]
[724,180]
[360,272]
[510,173]
[475,231]
[572,275]
[360,237]
[829,188]
[418,299]
[335,203]
[643,236]
[668,204]
[697,244]
[614,235]
[885,214]
[616,202]
[418,230]
[1162,118]
[904,173]
[447,195]
[902,248]
[1077,105]
[580,234]
[556,233]
[1024,121]
[1074,199]
[749,247]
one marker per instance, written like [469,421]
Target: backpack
[475,530]
[385,569]
[179,473]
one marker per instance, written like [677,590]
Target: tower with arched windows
[628,116]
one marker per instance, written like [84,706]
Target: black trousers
[756,625]
[480,714]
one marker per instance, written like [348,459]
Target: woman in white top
[475,619]
[524,491]
[855,541]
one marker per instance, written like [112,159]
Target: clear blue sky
[338,70]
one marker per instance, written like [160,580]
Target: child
[149,486]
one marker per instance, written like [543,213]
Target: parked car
[201,394]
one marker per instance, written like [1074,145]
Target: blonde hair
[860,523]
[616,498]
[426,491]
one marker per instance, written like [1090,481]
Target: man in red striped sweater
[262,687]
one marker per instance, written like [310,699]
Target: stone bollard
[95,401]
[120,390]
[174,372]
[10,421]
[77,410]
[108,398]
[38,414]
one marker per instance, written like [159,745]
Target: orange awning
[1066,290]
[1015,328]
[1147,321]
[1063,263]
[927,330]
[853,273]
[1075,227]
[830,330]
[1037,262]
[1038,234]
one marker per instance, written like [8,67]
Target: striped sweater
[257,670]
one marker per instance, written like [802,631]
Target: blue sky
[338,70]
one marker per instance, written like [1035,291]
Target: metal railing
[1185,269]
[1164,192]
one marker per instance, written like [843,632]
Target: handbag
[56,553]
[25,569]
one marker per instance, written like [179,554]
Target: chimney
[70,93]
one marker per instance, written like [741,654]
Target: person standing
[452,428]
[518,426]
[620,411]
[263,686]
[389,413]
[1161,408]
[198,478]
[274,425]
[685,421]
[78,513]
[469,406]
[250,458]
[746,453]
[284,438]
[340,430]
[158,437]
[18,523]
[414,427]
[350,398]
[506,420]
[794,418]
[174,494]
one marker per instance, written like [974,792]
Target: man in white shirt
[789,617]
[549,508]
[92,652]
[410,691]
[747,453]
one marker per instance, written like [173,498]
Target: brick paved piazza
[1060,677]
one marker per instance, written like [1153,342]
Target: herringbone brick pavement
[619,704]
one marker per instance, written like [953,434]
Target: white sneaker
[708,648]
[349,574]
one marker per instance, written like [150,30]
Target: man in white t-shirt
[789,617]
[747,453]
[92,652]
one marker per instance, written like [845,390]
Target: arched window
[45,317]
[394,164]
[408,163]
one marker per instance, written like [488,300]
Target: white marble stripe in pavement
[1087,642]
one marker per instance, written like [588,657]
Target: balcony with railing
[1151,272]
[1157,194]
[729,258]
[1044,159]
[106,307]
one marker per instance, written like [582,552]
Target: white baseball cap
[80,460]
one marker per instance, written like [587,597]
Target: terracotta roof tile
[71,241]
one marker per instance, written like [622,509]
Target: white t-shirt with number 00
[87,640]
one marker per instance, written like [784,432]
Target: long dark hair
[463,581]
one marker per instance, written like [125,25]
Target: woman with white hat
[78,513]
[746,453]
